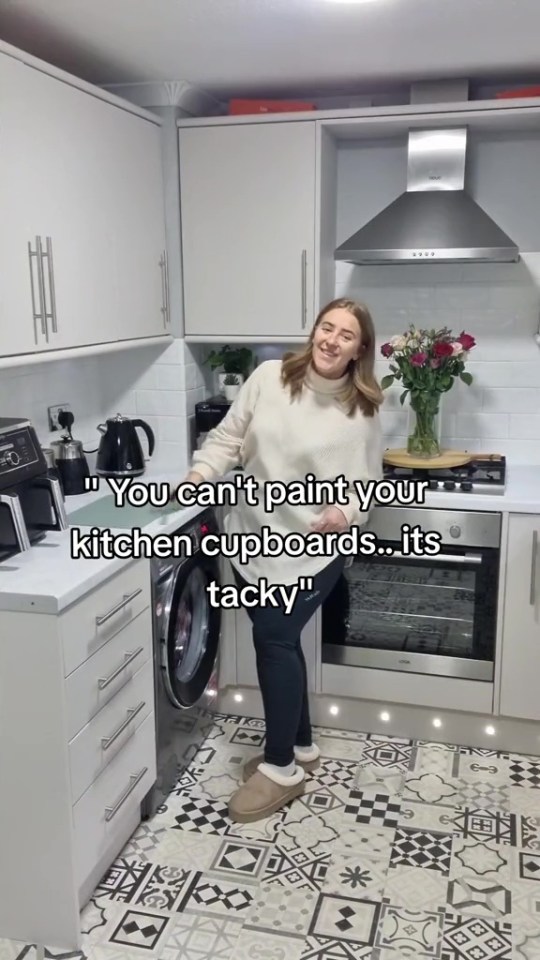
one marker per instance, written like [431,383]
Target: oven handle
[440,557]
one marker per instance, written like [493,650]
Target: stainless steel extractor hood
[435,220]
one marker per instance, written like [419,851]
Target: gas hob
[484,473]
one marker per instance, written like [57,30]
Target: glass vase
[424,440]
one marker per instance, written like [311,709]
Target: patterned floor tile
[414,888]
[292,866]
[429,788]
[262,945]
[340,748]
[479,897]
[476,938]
[11,949]
[528,832]
[356,876]
[373,777]
[371,840]
[437,758]
[428,816]
[345,918]
[486,825]
[196,937]
[410,933]
[209,895]
[240,859]
[332,773]
[524,771]
[282,910]
[525,865]
[525,945]
[307,831]
[482,769]
[488,796]
[373,808]
[186,848]
[143,929]
[388,752]
[525,802]
[526,905]
[321,948]
[480,858]
[144,842]
[420,848]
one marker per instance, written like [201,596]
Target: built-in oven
[435,614]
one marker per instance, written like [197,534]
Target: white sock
[307,753]
[286,771]
[290,775]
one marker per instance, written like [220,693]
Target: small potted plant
[231,360]
[231,385]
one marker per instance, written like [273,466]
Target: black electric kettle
[120,453]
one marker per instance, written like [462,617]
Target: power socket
[53,415]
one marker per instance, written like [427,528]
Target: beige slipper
[260,797]
[251,766]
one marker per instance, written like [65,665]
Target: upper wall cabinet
[82,217]
[248,229]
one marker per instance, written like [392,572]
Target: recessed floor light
[385,716]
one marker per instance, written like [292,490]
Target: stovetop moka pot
[120,453]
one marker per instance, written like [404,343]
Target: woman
[314,412]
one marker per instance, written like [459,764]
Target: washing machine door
[190,637]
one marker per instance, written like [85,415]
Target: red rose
[466,341]
[387,349]
[418,359]
[442,349]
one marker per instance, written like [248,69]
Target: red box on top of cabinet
[268,106]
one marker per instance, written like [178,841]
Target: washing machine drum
[190,634]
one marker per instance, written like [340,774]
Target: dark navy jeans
[281,667]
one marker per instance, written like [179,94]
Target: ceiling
[279,47]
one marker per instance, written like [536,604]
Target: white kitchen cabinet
[82,184]
[520,665]
[248,229]
[78,749]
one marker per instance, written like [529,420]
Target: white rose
[398,343]
[456,348]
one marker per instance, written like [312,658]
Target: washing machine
[186,632]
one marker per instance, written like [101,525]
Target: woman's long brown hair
[362,388]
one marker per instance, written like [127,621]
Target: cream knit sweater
[276,438]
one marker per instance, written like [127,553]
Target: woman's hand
[192,477]
[332,519]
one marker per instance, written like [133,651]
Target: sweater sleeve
[221,448]
[372,469]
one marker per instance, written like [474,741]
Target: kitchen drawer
[80,630]
[99,816]
[100,678]
[114,724]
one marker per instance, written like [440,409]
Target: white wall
[160,385]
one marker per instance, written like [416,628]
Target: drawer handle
[106,742]
[111,812]
[122,603]
[532,592]
[105,681]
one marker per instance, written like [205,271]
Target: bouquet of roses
[427,361]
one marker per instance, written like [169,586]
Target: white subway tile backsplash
[525,426]
[165,403]
[484,425]
[169,377]
[512,400]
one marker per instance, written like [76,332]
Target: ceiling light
[385,716]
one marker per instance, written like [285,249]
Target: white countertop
[47,579]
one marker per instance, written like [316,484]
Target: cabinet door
[248,228]
[68,192]
[19,331]
[138,226]
[520,666]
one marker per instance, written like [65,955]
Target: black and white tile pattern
[396,850]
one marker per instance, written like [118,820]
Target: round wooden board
[448,458]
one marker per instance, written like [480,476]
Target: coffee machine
[31,500]
[208,413]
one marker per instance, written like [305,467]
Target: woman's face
[336,341]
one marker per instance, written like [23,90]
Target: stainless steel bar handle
[167,292]
[13,504]
[57,501]
[122,603]
[111,812]
[438,557]
[50,268]
[129,658]
[304,297]
[534,561]
[163,295]
[41,281]
[107,742]
[36,315]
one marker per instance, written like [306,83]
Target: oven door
[434,615]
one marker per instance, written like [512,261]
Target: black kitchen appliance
[120,453]
[208,413]
[31,501]
[71,464]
